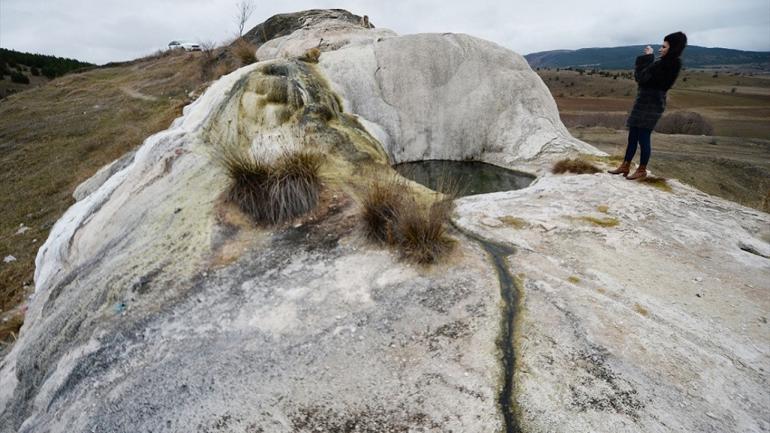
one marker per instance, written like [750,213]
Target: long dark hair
[676,44]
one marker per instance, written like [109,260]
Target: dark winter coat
[654,78]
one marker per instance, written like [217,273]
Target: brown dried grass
[576,165]
[392,215]
[658,182]
[244,51]
[272,193]
[311,56]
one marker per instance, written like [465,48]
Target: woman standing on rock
[655,77]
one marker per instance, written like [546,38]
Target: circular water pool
[468,177]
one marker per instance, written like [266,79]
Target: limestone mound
[159,307]
[643,310]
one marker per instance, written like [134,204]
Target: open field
[733,163]
[734,168]
[735,105]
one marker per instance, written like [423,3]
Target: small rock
[711,415]
[22,229]
[698,295]
[698,279]
[9,259]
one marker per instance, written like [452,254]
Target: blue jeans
[641,136]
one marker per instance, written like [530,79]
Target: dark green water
[469,177]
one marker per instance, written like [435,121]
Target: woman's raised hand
[648,50]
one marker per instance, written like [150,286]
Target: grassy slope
[55,136]
[8,87]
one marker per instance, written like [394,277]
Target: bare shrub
[207,60]
[244,10]
[577,165]
[684,122]
[271,193]
[244,51]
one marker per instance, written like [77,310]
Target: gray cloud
[110,30]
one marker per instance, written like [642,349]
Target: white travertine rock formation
[451,96]
[160,308]
[438,96]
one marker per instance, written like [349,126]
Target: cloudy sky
[100,31]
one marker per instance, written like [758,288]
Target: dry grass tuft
[658,182]
[10,325]
[573,279]
[603,208]
[603,222]
[311,56]
[641,310]
[421,231]
[392,215]
[380,206]
[515,222]
[576,165]
[271,193]
[296,185]
[244,51]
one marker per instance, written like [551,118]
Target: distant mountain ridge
[623,58]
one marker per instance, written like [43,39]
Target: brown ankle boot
[622,168]
[640,173]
